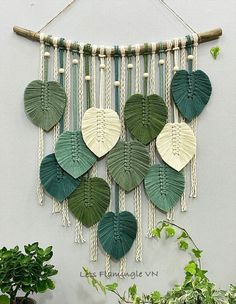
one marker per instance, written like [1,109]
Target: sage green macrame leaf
[72,154]
[57,182]
[101,130]
[164,186]
[145,117]
[44,103]
[128,163]
[176,145]
[190,92]
[90,200]
[117,232]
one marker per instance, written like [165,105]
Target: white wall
[211,217]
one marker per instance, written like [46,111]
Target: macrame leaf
[90,200]
[190,92]
[72,154]
[145,117]
[164,186]
[44,103]
[176,144]
[128,163]
[117,232]
[101,130]
[57,182]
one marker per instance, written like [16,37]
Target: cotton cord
[68,85]
[138,190]
[152,146]
[193,163]
[94,74]
[168,78]
[40,192]
[183,201]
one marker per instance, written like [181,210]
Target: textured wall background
[211,217]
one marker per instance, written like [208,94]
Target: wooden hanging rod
[35,36]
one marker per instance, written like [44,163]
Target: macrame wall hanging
[132,109]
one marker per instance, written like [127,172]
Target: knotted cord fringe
[122,105]
[170,214]
[152,146]
[108,98]
[183,202]
[79,238]
[40,192]
[137,190]
[56,206]
[193,163]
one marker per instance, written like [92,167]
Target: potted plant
[25,272]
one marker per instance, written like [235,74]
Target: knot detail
[175,138]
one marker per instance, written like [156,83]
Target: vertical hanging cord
[79,238]
[170,214]
[137,190]
[193,163]
[40,192]
[152,90]
[56,206]
[183,202]
[108,98]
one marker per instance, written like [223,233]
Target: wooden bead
[161,61]
[75,61]
[61,71]
[176,68]
[130,66]
[87,77]
[190,57]
[102,66]
[46,54]
[117,83]
[145,75]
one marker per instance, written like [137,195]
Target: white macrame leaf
[101,130]
[176,144]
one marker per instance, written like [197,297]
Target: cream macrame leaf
[101,130]
[73,155]
[145,117]
[128,163]
[57,182]
[117,232]
[164,186]
[176,144]
[190,92]
[90,200]
[44,103]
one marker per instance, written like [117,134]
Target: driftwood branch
[35,36]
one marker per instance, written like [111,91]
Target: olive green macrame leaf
[190,92]
[176,144]
[101,130]
[44,103]
[90,200]
[145,117]
[128,163]
[73,155]
[57,182]
[117,232]
[164,186]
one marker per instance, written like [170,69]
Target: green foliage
[196,287]
[27,272]
[215,51]
[4,299]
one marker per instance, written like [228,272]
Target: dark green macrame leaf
[190,92]
[90,200]
[117,232]
[164,186]
[72,154]
[128,163]
[57,182]
[44,103]
[145,117]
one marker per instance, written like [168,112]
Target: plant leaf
[101,130]
[44,103]
[215,51]
[90,200]
[56,181]
[170,231]
[112,287]
[197,253]
[164,186]
[117,232]
[145,117]
[190,92]
[183,245]
[128,163]
[73,155]
[176,144]
[4,299]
